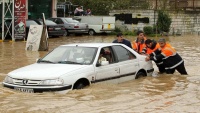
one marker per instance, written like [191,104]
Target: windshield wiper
[68,62]
[46,61]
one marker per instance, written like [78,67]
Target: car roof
[92,44]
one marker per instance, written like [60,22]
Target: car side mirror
[98,64]
[37,60]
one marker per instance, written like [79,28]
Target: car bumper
[56,33]
[78,31]
[39,88]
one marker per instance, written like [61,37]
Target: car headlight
[8,80]
[52,82]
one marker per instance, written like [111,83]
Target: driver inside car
[101,58]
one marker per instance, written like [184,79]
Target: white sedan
[75,66]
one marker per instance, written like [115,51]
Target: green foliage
[164,21]
[118,30]
[148,30]
[129,33]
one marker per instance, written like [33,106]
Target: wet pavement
[162,94]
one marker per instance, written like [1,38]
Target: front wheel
[91,32]
[140,75]
[79,85]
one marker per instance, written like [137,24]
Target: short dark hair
[139,32]
[148,41]
[119,34]
[162,40]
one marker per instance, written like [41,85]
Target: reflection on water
[163,93]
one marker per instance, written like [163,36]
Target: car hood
[44,71]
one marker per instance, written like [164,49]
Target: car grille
[25,82]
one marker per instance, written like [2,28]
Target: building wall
[52,13]
[182,23]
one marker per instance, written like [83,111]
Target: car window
[123,54]
[59,21]
[31,22]
[71,55]
[70,20]
[48,22]
[109,54]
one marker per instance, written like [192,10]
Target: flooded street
[162,94]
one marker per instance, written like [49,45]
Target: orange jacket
[168,50]
[138,46]
[157,46]
[170,57]
[149,51]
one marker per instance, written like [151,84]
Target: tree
[164,21]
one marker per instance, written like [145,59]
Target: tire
[66,33]
[79,85]
[140,75]
[91,32]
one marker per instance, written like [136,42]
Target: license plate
[57,28]
[27,90]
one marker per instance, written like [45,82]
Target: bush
[148,30]
[164,21]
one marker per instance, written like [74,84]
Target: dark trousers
[180,68]
[161,68]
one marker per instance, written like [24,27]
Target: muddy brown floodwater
[162,94]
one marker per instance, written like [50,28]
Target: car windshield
[70,55]
[70,20]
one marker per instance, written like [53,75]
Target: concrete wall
[182,23]
[185,23]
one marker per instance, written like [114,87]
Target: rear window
[48,22]
[70,20]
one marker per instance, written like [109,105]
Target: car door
[128,63]
[107,73]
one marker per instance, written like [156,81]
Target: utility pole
[155,10]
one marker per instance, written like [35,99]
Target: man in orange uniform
[171,59]
[139,44]
[151,46]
